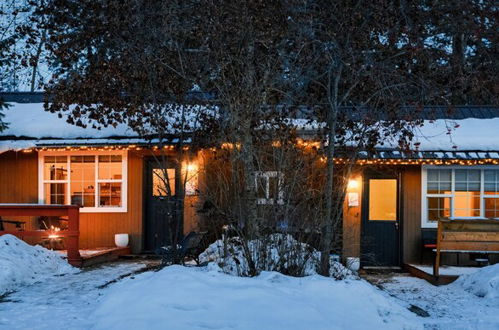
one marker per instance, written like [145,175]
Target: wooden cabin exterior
[385,213]
[20,183]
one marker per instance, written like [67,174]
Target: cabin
[109,172]
[394,200]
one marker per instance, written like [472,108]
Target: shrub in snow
[483,283]
[23,264]
[276,252]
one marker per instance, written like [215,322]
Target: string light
[300,143]
[100,148]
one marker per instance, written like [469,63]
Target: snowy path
[62,302]
[449,306]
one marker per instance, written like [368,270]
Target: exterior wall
[18,177]
[352,220]
[411,214]
[19,184]
[411,217]
[98,229]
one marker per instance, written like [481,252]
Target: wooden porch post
[74,257]
[436,265]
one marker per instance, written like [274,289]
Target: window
[96,181]
[383,199]
[269,187]
[161,182]
[459,193]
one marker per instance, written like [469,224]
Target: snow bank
[192,298]
[482,283]
[278,252]
[23,264]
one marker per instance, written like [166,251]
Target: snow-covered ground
[22,264]
[198,298]
[454,306]
[49,294]
[61,302]
[195,298]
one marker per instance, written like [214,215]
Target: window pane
[467,204]
[491,185]
[383,199]
[110,194]
[460,175]
[432,188]
[467,180]
[491,207]
[438,208]
[55,193]
[159,182]
[274,188]
[432,175]
[82,183]
[261,188]
[110,167]
[55,168]
[439,181]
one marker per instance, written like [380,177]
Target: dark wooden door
[380,241]
[162,218]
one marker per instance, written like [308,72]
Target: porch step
[142,256]
[105,255]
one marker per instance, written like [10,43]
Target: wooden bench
[466,236]
[19,224]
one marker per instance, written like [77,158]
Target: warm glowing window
[96,182]
[383,199]
[453,193]
[163,182]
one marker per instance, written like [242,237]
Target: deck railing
[72,234]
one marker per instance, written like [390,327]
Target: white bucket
[353,264]
[121,240]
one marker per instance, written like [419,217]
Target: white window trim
[124,181]
[424,196]
[280,180]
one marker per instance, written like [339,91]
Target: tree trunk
[329,220]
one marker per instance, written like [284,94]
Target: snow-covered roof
[31,126]
[30,120]
[465,134]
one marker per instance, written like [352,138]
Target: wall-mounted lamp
[352,184]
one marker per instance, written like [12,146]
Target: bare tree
[358,65]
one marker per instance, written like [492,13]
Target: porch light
[190,172]
[191,167]
[352,184]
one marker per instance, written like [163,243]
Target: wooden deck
[447,275]
[91,257]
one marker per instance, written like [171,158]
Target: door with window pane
[163,221]
[380,240]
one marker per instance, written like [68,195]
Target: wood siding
[98,229]
[411,214]
[352,221]
[19,184]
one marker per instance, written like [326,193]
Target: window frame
[95,209]
[425,223]
[280,194]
